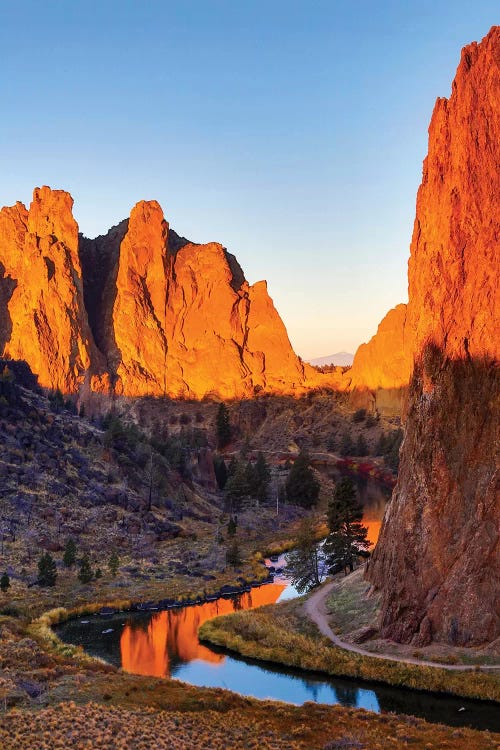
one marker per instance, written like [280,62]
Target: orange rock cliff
[139,310]
[42,313]
[437,560]
[381,369]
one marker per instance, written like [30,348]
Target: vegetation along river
[165,644]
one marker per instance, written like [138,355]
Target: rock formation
[139,311]
[42,313]
[437,559]
[381,370]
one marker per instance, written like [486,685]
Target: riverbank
[283,634]
[69,689]
[345,610]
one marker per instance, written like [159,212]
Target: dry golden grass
[281,633]
[249,727]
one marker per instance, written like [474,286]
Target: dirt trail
[315,607]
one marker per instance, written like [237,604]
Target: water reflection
[373,498]
[165,644]
[158,646]
[268,682]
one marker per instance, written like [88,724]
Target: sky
[293,132]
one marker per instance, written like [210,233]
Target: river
[165,644]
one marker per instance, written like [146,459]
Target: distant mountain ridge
[339,359]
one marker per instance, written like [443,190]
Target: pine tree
[305,562]
[114,564]
[302,487]
[237,486]
[346,446]
[263,477]
[4,582]
[69,557]
[85,573]
[223,426]
[347,536]
[233,555]
[232,526]
[361,446]
[47,571]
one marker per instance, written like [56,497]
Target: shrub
[359,415]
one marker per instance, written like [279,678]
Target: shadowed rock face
[437,559]
[139,311]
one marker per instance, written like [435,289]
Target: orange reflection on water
[373,527]
[150,647]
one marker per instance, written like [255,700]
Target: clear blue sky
[292,132]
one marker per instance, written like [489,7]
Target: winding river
[165,644]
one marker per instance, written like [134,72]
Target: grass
[349,605]
[240,725]
[282,634]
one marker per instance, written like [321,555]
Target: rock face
[138,311]
[179,319]
[42,313]
[437,559]
[381,370]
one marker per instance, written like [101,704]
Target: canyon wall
[437,560]
[138,311]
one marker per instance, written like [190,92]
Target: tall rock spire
[42,311]
[437,559]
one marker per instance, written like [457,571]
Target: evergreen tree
[223,426]
[251,479]
[233,557]
[305,562]
[302,487]
[114,564]
[361,446]
[69,557]
[85,573]
[237,486]
[263,477]
[232,525]
[346,446]
[47,571]
[4,582]
[347,536]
